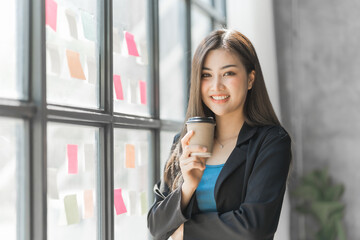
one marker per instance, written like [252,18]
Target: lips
[219,98]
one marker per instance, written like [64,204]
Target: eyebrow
[226,66]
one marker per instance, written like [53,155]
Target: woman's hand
[179,233]
[192,168]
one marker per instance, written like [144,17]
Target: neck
[228,126]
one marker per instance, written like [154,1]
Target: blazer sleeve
[258,216]
[165,215]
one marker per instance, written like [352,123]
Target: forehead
[221,57]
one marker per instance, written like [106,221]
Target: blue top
[205,191]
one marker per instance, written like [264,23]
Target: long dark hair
[258,110]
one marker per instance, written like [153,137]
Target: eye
[229,74]
[205,75]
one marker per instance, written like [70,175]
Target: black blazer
[248,192]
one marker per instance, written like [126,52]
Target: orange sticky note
[119,202]
[88,204]
[142,92]
[130,156]
[74,64]
[72,154]
[51,13]
[131,45]
[118,87]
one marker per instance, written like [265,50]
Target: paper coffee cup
[204,133]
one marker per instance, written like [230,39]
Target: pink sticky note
[118,87]
[119,202]
[51,13]
[130,42]
[142,92]
[72,153]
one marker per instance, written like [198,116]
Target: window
[92,95]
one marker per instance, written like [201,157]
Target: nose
[217,83]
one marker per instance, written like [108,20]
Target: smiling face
[224,83]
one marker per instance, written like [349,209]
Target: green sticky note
[89,25]
[143,199]
[71,209]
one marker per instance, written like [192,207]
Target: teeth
[219,97]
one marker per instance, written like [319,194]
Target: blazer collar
[237,156]
[245,133]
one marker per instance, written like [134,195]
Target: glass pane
[72,182]
[200,27]
[166,140]
[131,183]
[130,55]
[72,53]
[220,7]
[10,87]
[11,152]
[172,59]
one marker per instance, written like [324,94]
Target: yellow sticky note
[71,209]
[74,64]
[144,204]
[130,156]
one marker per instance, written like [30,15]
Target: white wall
[255,19]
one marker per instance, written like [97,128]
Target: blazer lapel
[237,156]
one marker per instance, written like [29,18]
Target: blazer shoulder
[273,131]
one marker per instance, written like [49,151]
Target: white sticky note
[72,23]
[143,52]
[54,59]
[132,91]
[133,202]
[90,157]
[116,41]
[91,70]
[142,153]
[52,186]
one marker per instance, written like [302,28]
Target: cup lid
[201,119]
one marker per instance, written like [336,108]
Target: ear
[251,79]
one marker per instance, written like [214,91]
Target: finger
[193,165]
[193,149]
[186,138]
[192,161]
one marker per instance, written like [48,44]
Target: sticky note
[143,153]
[133,202]
[143,59]
[129,156]
[52,186]
[132,91]
[131,45]
[89,25]
[142,87]
[118,87]
[143,203]
[51,13]
[74,64]
[91,66]
[119,202]
[72,154]
[116,41]
[90,157]
[71,18]
[54,59]
[71,209]
[88,204]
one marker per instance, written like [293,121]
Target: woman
[246,175]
